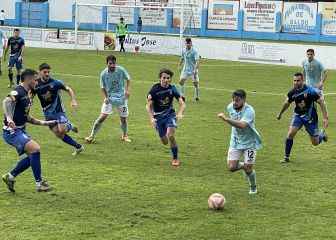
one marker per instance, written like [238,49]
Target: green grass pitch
[129,191]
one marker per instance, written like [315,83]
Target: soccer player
[245,139]
[16,45]
[16,108]
[190,61]
[314,73]
[121,33]
[2,46]
[115,85]
[305,113]
[161,112]
[48,92]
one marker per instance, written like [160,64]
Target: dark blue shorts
[310,124]
[17,138]
[164,123]
[15,61]
[61,118]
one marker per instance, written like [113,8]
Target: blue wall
[37,15]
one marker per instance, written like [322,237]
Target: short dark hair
[44,66]
[27,73]
[239,93]
[298,74]
[166,71]
[16,30]
[310,50]
[121,19]
[111,58]
[188,40]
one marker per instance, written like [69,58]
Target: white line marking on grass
[206,88]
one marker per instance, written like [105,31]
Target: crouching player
[245,139]
[161,112]
[16,108]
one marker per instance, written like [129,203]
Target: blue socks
[32,161]
[21,166]
[174,151]
[288,147]
[35,164]
[67,139]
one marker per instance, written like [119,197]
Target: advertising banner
[150,14]
[260,16]
[262,52]
[192,15]
[152,44]
[115,13]
[299,17]
[223,14]
[328,11]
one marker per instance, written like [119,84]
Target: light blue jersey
[313,72]
[190,57]
[114,84]
[246,138]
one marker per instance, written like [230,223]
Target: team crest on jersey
[47,96]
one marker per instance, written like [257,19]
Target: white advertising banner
[328,11]
[150,14]
[152,44]
[260,16]
[115,13]
[61,10]
[50,38]
[223,14]
[9,7]
[262,52]
[299,17]
[192,15]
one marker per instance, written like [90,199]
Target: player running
[161,112]
[314,73]
[2,47]
[16,108]
[190,61]
[245,139]
[48,91]
[305,114]
[16,45]
[115,85]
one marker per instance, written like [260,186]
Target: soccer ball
[216,201]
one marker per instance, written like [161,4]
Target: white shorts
[1,52]
[108,109]
[186,76]
[236,154]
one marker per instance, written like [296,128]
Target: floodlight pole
[76,26]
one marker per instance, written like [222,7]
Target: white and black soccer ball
[216,201]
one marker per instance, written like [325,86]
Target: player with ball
[245,139]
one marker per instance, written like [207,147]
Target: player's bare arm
[72,95]
[8,105]
[127,90]
[103,90]
[285,106]
[324,111]
[232,122]
[149,108]
[39,122]
[182,107]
